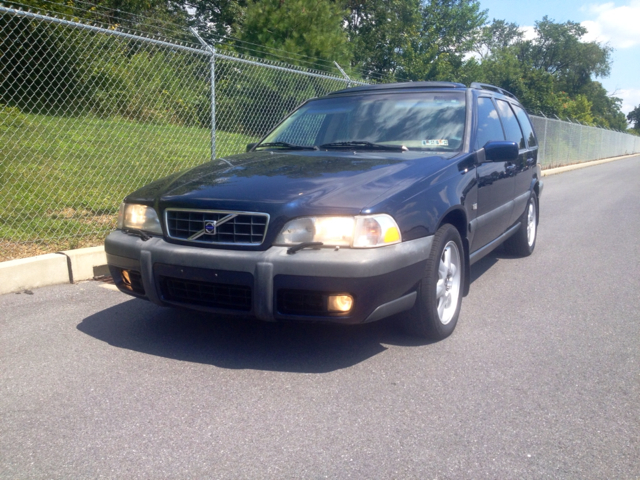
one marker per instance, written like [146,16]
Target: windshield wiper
[365,144]
[286,145]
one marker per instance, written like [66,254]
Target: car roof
[424,86]
[400,86]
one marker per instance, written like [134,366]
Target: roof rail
[396,86]
[493,88]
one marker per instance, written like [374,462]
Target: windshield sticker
[435,143]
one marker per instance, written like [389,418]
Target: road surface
[541,378]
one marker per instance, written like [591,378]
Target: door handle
[531,161]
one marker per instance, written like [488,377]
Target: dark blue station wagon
[368,203]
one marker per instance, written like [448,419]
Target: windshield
[418,121]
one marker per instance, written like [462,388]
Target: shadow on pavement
[483,265]
[240,343]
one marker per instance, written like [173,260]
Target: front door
[496,181]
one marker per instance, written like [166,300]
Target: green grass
[63,178]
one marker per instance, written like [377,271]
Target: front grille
[215,295]
[236,228]
[301,302]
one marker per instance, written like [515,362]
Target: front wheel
[440,293]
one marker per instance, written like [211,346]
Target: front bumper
[383,281]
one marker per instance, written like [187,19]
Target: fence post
[343,74]
[580,144]
[212,51]
[544,147]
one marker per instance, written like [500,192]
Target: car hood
[297,183]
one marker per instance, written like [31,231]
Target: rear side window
[511,125]
[489,128]
[527,129]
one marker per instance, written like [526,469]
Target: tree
[380,32]
[408,40]
[536,89]
[634,117]
[552,73]
[449,31]
[496,37]
[605,108]
[218,17]
[308,30]
[558,49]
[166,18]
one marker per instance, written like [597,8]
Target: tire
[435,314]
[523,241]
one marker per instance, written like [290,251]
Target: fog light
[340,303]
[125,277]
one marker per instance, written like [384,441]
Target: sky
[615,23]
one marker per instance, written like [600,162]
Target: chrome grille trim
[238,228]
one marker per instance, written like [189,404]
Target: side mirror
[250,146]
[501,151]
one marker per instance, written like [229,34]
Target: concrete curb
[576,166]
[52,269]
[86,263]
[73,266]
[27,273]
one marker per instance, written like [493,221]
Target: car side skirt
[489,247]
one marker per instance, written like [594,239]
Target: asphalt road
[541,378]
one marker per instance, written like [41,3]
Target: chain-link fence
[88,114]
[566,143]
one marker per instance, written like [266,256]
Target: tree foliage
[380,34]
[497,37]
[558,49]
[218,17]
[634,117]
[156,17]
[307,29]
[553,73]
[407,40]
[449,31]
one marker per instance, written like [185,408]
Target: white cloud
[630,98]
[617,25]
[528,32]
[470,55]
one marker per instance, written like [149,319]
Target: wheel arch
[458,218]
[536,189]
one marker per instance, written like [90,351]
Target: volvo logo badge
[210,227]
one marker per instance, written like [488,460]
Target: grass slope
[62,179]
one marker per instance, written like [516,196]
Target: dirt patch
[16,250]
[101,220]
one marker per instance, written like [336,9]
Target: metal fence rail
[89,114]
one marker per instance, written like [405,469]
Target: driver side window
[489,127]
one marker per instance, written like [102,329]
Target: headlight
[139,217]
[357,232]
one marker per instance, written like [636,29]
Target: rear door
[519,169]
[524,178]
